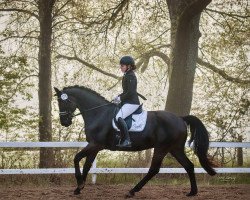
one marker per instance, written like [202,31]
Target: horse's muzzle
[66,123]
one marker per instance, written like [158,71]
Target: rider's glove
[117,100]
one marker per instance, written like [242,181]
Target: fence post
[94,175]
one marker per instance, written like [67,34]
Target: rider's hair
[133,67]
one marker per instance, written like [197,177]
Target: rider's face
[124,68]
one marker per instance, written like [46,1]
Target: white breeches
[126,110]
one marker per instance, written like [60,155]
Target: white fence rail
[94,170]
[42,144]
[83,144]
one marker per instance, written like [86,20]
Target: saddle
[135,122]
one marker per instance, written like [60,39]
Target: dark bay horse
[164,131]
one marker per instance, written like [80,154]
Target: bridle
[96,107]
[70,114]
[65,113]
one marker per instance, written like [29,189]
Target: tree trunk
[239,153]
[185,18]
[148,157]
[45,92]
[222,156]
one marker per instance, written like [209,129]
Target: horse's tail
[199,135]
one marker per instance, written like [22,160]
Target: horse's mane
[85,88]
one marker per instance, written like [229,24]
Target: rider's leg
[124,133]
[125,111]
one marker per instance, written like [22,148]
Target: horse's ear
[58,92]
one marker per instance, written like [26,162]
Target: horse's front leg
[90,153]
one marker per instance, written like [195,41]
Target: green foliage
[223,104]
[14,86]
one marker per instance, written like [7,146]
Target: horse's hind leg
[188,166]
[158,156]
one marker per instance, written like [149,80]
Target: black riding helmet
[127,60]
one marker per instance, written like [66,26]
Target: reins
[91,109]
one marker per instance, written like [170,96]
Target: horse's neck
[86,103]
[97,116]
[86,99]
[90,105]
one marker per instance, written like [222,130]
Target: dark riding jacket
[129,86]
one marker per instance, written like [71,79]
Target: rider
[129,98]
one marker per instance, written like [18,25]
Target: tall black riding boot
[124,133]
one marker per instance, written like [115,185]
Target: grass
[176,179]
[160,179]
[130,161]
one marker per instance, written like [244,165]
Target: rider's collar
[126,72]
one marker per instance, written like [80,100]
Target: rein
[92,109]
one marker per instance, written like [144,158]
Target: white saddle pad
[138,122]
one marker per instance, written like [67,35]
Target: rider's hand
[117,100]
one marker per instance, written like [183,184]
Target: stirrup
[126,143]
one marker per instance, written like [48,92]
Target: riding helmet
[127,60]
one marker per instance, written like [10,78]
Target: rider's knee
[117,117]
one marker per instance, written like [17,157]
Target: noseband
[64,113]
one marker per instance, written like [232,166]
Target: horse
[164,131]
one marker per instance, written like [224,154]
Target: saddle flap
[135,122]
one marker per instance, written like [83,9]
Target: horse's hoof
[192,193]
[77,191]
[130,195]
[79,188]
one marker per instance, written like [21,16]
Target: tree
[115,18]
[223,65]
[45,91]
[185,18]
[27,10]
